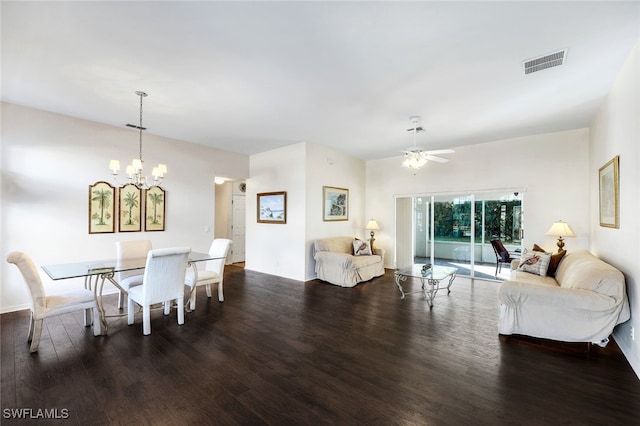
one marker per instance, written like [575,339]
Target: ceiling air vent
[543,62]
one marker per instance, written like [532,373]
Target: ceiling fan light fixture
[414,159]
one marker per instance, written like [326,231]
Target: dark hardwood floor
[279,352]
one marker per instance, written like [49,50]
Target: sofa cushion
[555,259]
[361,248]
[334,244]
[535,262]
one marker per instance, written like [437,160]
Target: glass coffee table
[430,279]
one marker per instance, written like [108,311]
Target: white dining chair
[127,279]
[213,272]
[163,282]
[43,306]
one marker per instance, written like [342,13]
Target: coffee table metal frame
[430,280]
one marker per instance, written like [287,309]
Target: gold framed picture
[609,194]
[272,207]
[102,199]
[154,209]
[129,208]
[336,203]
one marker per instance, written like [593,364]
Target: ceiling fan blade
[441,151]
[436,159]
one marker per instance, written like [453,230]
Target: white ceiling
[252,76]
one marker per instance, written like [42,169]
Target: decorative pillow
[361,248]
[554,262]
[535,262]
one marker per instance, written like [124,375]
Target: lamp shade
[114,166]
[560,229]
[372,225]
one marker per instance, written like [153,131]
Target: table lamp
[560,229]
[372,226]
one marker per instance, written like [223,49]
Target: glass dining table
[96,272]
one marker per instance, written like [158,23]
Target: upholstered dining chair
[213,272]
[502,254]
[130,250]
[163,282]
[43,306]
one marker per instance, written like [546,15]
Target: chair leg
[31,326]
[130,311]
[220,292]
[146,320]
[497,264]
[87,317]
[180,310]
[192,299]
[37,332]
[167,307]
[120,299]
[208,287]
[97,323]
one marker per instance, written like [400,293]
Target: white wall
[326,167]
[301,170]
[224,194]
[278,249]
[551,169]
[48,163]
[616,131]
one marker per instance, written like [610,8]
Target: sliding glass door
[457,230]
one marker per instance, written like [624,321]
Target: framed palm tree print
[102,201]
[154,209]
[129,208]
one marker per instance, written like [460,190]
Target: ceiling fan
[415,157]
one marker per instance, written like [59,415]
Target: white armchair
[163,282]
[213,272]
[127,279]
[43,306]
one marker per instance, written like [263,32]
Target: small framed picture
[336,203]
[609,194]
[129,208]
[102,202]
[272,207]
[154,209]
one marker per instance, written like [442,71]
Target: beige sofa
[583,302]
[336,263]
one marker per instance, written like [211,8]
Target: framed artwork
[609,194]
[336,203]
[272,207]
[154,209]
[102,201]
[129,208]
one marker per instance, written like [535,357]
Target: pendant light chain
[142,95]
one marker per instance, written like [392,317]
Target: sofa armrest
[379,252]
[514,264]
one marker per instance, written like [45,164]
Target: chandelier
[414,157]
[134,170]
